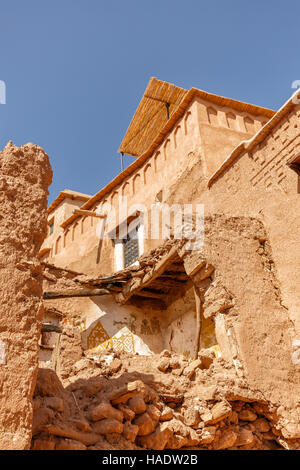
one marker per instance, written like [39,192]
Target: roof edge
[261,134]
[183,106]
[67,193]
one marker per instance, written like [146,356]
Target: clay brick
[219,412]
[191,368]
[127,412]
[42,417]
[130,431]
[166,414]
[226,440]
[43,444]
[108,426]
[245,437]
[208,434]
[105,410]
[82,425]
[88,439]
[145,423]
[122,394]
[163,364]
[137,404]
[261,425]
[70,444]
[247,415]
[55,403]
[153,412]
[158,439]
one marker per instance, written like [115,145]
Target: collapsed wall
[125,401]
[24,180]
[235,275]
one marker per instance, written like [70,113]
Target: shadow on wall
[122,328]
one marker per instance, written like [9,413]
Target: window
[131,248]
[129,245]
[51,228]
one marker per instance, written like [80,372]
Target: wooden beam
[134,286]
[174,275]
[89,213]
[177,267]
[167,283]
[49,328]
[75,293]
[160,267]
[149,294]
[198,321]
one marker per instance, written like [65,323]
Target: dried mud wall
[260,184]
[252,326]
[25,175]
[103,323]
[205,134]
[242,312]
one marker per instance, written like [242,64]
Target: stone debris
[119,413]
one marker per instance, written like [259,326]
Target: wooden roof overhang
[159,102]
[161,276]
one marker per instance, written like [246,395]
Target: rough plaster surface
[24,180]
[252,296]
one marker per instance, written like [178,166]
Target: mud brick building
[143,317]
[191,147]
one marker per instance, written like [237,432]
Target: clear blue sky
[75,70]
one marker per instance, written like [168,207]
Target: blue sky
[75,70]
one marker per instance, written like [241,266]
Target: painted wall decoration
[99,340]
[97,336]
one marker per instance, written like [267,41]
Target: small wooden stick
[198,321]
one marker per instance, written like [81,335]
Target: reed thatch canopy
[158,103]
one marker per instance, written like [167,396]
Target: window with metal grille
[131,248]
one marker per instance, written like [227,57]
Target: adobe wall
[221,130]
[202,133]
[254,329]
[244,319]
[56,241]
[103,324]
[243,316]
[179,326]
[25,177]
[261,184]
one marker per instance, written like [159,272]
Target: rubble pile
[171,403]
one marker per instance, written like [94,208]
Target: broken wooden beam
[54,312]
[75,293]
[167,283]
[49,328]
[86,438]
[89,213]
[174,275]
[150,294]
[160,267]
[198,321]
